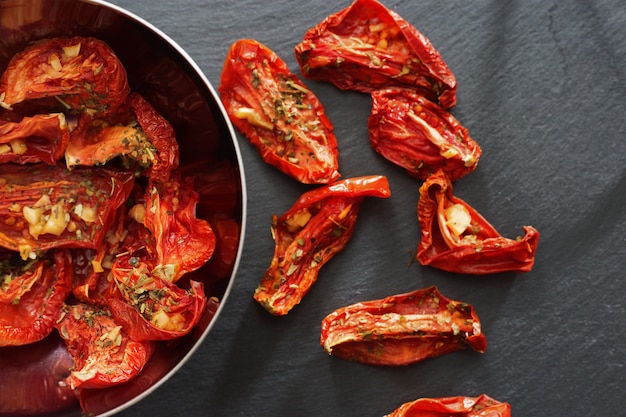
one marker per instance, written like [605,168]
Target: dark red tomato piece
[149,307]
[461,406]
[402,329]
[82,73]
[366,46]
[227,232]
[456,238]
[47,206]
[278,114]
[182,242]
[219,188]
[309,234]
[103,353]
[420,136]
[41,138]
[31,293]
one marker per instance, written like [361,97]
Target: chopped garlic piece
[71,51]
[18,147]
[458,219]
[253,118]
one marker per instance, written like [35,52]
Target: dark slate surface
[542,90]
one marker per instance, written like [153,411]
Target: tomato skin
[103,353]
[30,316]
[97,191]
[402,329]
[278,114]
[186,306]
[366,46]
[420,136]
[44,138]
[460,406]
[161,135]
[92,80]
[182,242]
[480,249]
[318,225]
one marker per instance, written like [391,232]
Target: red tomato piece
[41,138]
[47,206]
[149,307]
[456,238]
[228,233]
[309,234]
[161,135]
[137,133]
[31,293]
[367,46]
[420,136]
[83,73]
[278,114]
[402,329]
[103,353]
[461,406]
[182,242]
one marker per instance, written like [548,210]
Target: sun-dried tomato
[402,329]
[82,73]
[366,46]
[46,206]
[460,406]
[309,234]
[102,351]
[278,114]
[420,136]
[31,293]
[40,138]
[456,238]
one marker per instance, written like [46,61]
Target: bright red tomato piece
[402,329]
[44,207]
[41,138]
[31,293]
[420,136]
[137,133]
[278,114]
[149,307]
[103,353]
[83,73]
[461,406]
[366,46]
[456,238]
[309,234]
[182,242]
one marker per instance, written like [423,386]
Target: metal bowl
[31,377]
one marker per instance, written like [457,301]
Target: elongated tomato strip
[402,329]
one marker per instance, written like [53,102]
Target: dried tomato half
[456,238]
[278,114]
[420,136]
[149,307]
[460,406]
[31,293]
[309,234]
[137,133]
[83,73]
[367,46]
[47,206]
[102,351]
[182,242]
[41,138]
[402,329]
